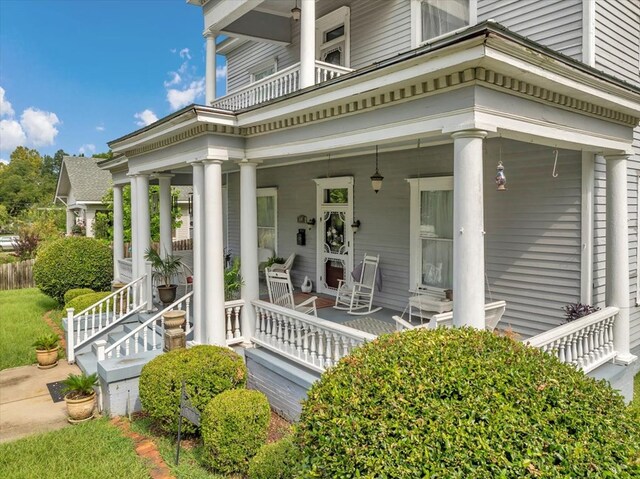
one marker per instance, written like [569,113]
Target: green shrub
[207,371]
[81,303]
[74,293]
[73,262]
[463,403]
[278,460]
[234,427]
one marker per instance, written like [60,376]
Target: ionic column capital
[471,133]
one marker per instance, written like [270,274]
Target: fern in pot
[80,396]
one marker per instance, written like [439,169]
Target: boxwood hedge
[234,427]
[278,460]
[207,371]
[74,293]
[461,403]
[82,302]
[73,262]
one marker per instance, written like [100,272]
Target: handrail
[586,342]
[314,342]
[91,322]
[105,353]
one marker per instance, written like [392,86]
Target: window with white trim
[263,70]
[436,18]
[267,199]
[333,37]
[431,231]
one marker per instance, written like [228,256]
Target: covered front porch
[294,176]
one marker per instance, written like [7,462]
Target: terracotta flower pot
[80,409]
[47,358]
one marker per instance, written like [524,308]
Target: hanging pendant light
[295,12]
[501,180]
[376,179]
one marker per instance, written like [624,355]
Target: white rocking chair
[358,298]
[281,293]
[286,266]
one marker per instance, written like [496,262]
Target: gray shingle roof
[88,181]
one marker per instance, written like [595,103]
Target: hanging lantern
[376,179]
[295,12]
[501,180]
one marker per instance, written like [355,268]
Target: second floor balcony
[276,85]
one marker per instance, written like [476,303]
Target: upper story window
[263,70]
[332,37]
[435,18]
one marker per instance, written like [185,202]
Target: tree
[51,164]
[107,155]
[103,228]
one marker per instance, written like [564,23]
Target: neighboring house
[81,187]
[432,96]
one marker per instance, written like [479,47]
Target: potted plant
[47,350]
[164,269]
[573,311]
[80,396]
[232,281]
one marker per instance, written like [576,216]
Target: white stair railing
[586,342]
[145,337]
[313,342]
[88,324]
[232,315]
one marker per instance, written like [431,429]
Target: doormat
[55,391]
[371,325]
[321,301]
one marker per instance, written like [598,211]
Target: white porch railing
[125,270]
[279,84]
[232,315]
[146,337]
[313,342]
[90,323]
[586,342]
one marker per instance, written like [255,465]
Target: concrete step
[87,362]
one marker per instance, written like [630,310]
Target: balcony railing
[279,84]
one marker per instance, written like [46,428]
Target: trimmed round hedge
[74,293]
[82,302]
[278,460]
[234,427]
[463,403]
[73,262]
[206,370]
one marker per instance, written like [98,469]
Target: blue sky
[75,74]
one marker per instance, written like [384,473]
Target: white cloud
[184,53]
[145,117]
[221,72]
[11,135]
[179,98]
[99,128]
[4,160]
[39,126]
[173,50]
[175,79]
[5,107]
[89,149]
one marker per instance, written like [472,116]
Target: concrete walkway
[26,407]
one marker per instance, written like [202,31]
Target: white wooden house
[432,94]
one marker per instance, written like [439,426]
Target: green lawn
[635,404]
[21,321]
[93,450]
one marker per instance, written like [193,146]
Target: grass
[190,451]
[21,321]
[635,404]
[95,449]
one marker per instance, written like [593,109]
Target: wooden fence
[17,275]
[178,245]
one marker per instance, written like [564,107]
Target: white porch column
[144,232]
[210,86]
[214,256]
[307,43]
[135,269]
[248,245]
[118,231]
[198,254]
[71,220]
[617,288]
[468,229]
[166,245]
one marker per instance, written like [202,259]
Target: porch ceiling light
[295,12]
[501,180]
[355,226]
[376,179]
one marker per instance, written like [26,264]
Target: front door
[335,237]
